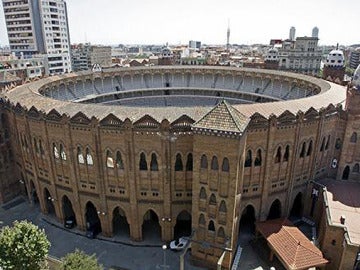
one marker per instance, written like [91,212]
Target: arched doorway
[151,229]
[346,173]
[247,220]
[49,202]
[120,225]
[183,225]
[275,210]
[68,212]
[93,224]
[297,208]
[33,193]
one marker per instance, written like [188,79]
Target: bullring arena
[177,150]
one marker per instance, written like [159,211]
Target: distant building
[39,27]
[85,56]
[355,58]
[292,33]
[194,44]
[315,32]
[166,57]
[14,71]
[302,55]
[272,59]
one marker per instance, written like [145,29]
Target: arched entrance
[93,223]
[275,210]
[49,202]
[33,193]
[68,211]
[346,173]
[247,220]
[297,208]
[119,222]
[183,224]
[151,229]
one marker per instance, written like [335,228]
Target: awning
[294,250]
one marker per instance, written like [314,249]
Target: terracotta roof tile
[293,248]
[223,117]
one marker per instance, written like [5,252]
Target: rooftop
[344,200]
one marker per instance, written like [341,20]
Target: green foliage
[23,246]
[79,260]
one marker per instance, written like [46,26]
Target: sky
[112,22]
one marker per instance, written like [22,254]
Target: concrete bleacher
[179,84]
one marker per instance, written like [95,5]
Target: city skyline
[142,22]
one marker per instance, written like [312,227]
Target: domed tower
[334,66]
[272,59]
[350,153]
[166,57]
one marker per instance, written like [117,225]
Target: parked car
[179,244]
[70,222]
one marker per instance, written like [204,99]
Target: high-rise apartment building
[39,27]
[355,58]
[315,32]
[292,33]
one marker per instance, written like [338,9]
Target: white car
[178,244]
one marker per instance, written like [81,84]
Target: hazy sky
[251,21]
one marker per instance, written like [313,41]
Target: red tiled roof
[291,246]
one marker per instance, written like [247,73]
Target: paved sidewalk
[116,255]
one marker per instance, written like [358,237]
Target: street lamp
[164,266]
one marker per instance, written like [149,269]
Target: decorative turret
[272,59]
[353,94]
[334,66]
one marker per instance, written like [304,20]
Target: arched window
[204,163]
[42,152]
[222,207]
[258,158]
[356,168]
[225,165]
[109,159]
[309,151]
[89,159]
[80,156]
[6,134]
[353,138]
[142,162]
[36,146]
[119,161]
[189,163]
[62,152]
[287,153]
[26,143]
[322,147]
[248,160]
[338,144]
[211,226]
[56,151]
[154,163]
[214,163]
[212,199]
[178,163]
[303,149]
[327,143]
[203,193]
[278,155]
[221,232]
[202,220]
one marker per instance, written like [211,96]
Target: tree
[79,260]
[23,246]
